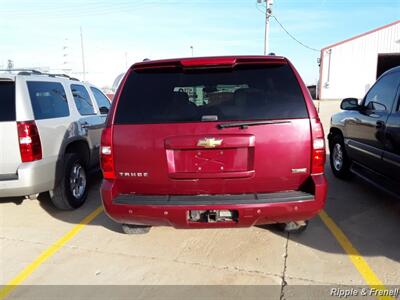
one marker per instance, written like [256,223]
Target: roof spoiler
[209,62]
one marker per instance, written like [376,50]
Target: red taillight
[106,155]
[318,147]
[29,141]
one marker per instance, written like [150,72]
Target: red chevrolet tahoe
[213,142]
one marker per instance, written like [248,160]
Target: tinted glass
[241,94]
[7,101]
[382,95]
[82,100]
[102,101]
[48,99]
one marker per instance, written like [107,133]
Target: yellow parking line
[355,256]
[17,280]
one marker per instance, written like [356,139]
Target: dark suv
[365,138]
[213,142]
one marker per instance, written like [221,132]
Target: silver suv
[50,128]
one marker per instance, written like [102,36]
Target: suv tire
[339,160]
[135,229]
[71,191]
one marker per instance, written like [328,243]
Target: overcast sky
[120,32]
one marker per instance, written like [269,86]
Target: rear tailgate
[9,150]
[268,158]
[167,138]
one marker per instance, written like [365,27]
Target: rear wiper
[244,125]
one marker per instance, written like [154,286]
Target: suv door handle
[85,124]
[380,124]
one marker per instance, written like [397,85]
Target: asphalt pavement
[38,248]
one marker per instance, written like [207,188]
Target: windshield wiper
[244,125]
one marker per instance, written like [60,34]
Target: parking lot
[100,254]
[202,150]
[353,242]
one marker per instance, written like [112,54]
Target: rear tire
[135,229]
[339,160]
[71,191]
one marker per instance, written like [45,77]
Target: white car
[50,128]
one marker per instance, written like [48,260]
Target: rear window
[48,99]
[7,101]
[262,93]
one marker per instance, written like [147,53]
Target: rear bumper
[252,209]
[31,178]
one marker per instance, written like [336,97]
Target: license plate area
[211,160]
[188,158]
[213,216]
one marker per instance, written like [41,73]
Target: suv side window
[381,96]
[82,100]
[102,101]
[48,99]
[7,102]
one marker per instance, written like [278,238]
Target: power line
[289,34]
[286,31]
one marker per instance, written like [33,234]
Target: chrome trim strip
[364,151]
[301,170]
[391,161]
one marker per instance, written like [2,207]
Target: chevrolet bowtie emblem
[209,142]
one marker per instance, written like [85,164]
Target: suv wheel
[72,190]
[135,229]
[340,162]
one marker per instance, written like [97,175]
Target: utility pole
[191,48]
[83,57]
[268,13]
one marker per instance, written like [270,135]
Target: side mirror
[350,104]
[104,110]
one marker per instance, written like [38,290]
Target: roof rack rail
[27,71]
[63,75]
[36,72]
